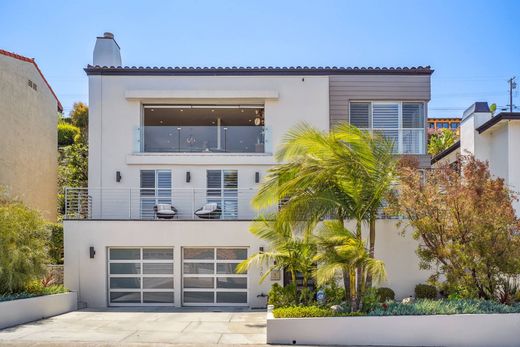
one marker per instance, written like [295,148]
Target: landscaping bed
[23,310]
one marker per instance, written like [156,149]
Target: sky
[473,46]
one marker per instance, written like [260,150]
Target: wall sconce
[188,177]
[261,249]
[118,176]
[92,252]
[257,177]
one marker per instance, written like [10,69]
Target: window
[454,125]
[432,125]
[222,189]
[156,188]
[445,125]
[402,122]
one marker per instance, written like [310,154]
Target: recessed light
[182,110]
[152,110]
[161,121]
[212,110]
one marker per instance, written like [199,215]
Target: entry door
[209,277]
[140,276]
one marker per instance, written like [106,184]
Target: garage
[140,276]
[209,278]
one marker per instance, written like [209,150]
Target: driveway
[121,327]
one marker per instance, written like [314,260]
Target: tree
[341,252]
[79,117]
[23,245]
[289,249]
[466,225]
[67,133]
[344,175]
[441,141]
[72,170]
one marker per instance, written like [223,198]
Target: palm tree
[344,175]
[340,252]
[290,249]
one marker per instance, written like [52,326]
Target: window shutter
[148,182]
[164,182]
[360,114]
[385,116]
[413,115]
[214,182]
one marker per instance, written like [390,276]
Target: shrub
[56,244]
[385,294]
[66,134]
[334,294]
[370,300]
[444,306]
[24,240]
[302,311]
[34,290]
[425,291]
[283,296]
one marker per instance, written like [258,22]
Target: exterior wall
[300,99]
[450,158]
[512,160]
[89,276]
[346,88]
[28,140]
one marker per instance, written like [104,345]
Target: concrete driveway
[121,327]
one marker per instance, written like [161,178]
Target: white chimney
[106,51]
[471,142]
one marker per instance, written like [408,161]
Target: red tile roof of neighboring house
[31,60]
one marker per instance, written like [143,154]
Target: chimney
[107,51]
[470,140]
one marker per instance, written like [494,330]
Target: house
[444,123]
[177,153]
[28,139]
[491,138]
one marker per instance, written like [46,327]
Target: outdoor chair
[164,211]
[209,211]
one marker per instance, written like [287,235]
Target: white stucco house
[177,153]
[491,138]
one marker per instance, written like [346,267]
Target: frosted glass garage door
[209,277]
[140,276]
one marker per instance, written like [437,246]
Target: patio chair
[164,211]
[209,211]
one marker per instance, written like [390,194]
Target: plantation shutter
[360,114]
[164,182]
[147,182]
[385,116]
[214,182]
[413,115]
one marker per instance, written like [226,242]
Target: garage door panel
[210,278]
[140,276]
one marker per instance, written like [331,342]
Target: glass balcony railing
[210,139]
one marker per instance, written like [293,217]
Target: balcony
[205,139]
[139,203]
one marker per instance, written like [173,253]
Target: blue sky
[474,46]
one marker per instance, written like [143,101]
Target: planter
[21,311]
[436,330]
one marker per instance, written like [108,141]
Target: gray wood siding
[346,88]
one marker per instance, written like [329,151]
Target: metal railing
[138,203]
[210,139]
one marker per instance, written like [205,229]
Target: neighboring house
[492,138]
[201,140]
[444,123]
[28,139]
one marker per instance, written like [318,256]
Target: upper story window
[203,128]
[402,122]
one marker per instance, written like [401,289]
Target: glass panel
[157,268]
[199,268]
[392,135]
[231,254]
[413,115]
[232,297]
[359,114]
[158,283]
[125,268]
[125,298]
[199,253]
[158,297]
[199,297]
[385,116]
[158,254]
[125,254]
[227,268]
[199,282]
[413,141]
[232,282]
[125,282]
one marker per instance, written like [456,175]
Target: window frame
[399,129]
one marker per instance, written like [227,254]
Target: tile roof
[255,70]
[32,61]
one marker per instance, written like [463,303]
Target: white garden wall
[498,330]
[21,311]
